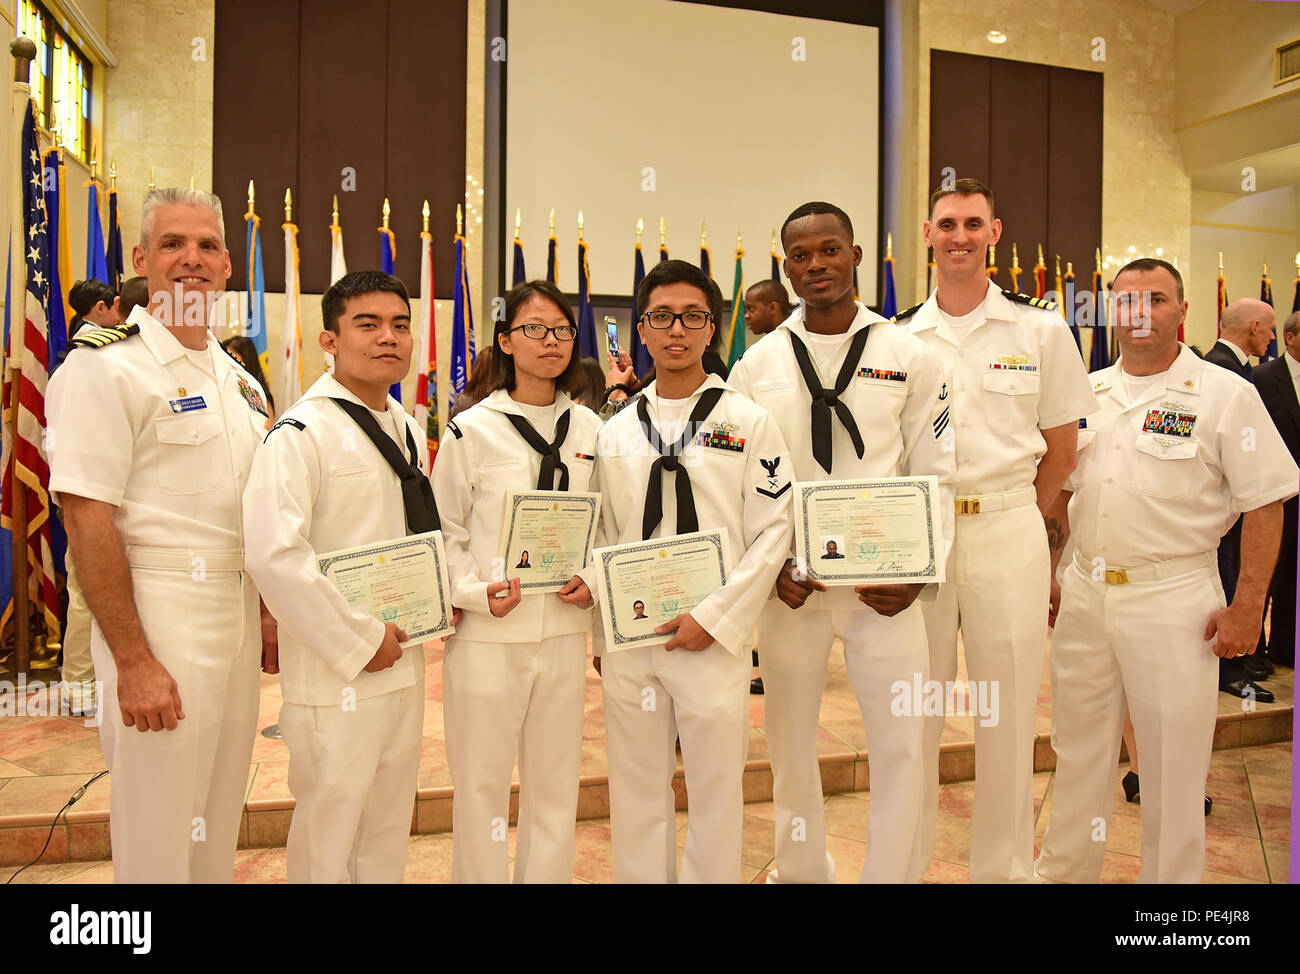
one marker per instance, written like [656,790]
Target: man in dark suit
[1244,330]
[1277,383]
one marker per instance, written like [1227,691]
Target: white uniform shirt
[318,485]
[481,457]
[140,425]
[1016,371]
[1164,476]
[897,397]
[739,484]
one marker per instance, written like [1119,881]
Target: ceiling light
[996,37]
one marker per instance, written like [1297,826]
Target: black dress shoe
[1257,667]
[1247,690]
[1208,803]
[756,685]
[1130,785]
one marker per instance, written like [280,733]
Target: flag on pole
[59,270]
[426,348]
[551,256]
[736,339]
[1069,306]
[1266,295]
[255,318]
[96,257]
[1100,357]
[388,264]
[587,343]
[1221,300]
[462,321]
[291,378]
[641,360]
[113,255]
[1017,272]
[520,275]
[24,395]
[776,262]
[889,304]
[1040,276]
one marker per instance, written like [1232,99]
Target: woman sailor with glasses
[513,673]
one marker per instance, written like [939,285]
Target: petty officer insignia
[772,487]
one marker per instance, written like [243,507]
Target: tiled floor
[1246,834]
[43,760]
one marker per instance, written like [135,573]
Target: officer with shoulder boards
[150,484]
[1018,389]
[1181,446]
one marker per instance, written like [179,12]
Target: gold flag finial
[551,222]
[580,226]
[1058,265]
[1015,257]
[640,225]
[1069,268]
[737,238]
[112,176]
[1040,256]
[704,235]
[460,221]
[1098,258]
[518,220]
[993,256]
[94,162]
[191,182]
[774,240]
[334,215]
[250,199]
[1265,269]
[387,212]
[1220,261]
[288,206]
[889,246]
[662,238]
[424,216]
[151,183]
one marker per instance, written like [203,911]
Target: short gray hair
[156,198]
[1292,323]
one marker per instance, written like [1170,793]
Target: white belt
[1146,573]
[185,559]
[1004,501]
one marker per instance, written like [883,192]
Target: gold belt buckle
[968,505]
[1116,576]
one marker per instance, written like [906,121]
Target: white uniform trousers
[178,795]
[501,700]
[78,671]
[353,772]
[793,648]
[1138,645]
[653,697]
[997,588]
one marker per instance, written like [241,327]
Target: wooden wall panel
[1074,185]
[1018,97]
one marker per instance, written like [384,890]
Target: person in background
[95,304]
[134,294]
[766,306]
[477,388]
[590,383]
[245,353]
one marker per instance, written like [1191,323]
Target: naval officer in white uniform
[1019,389]
[1181,447]
[150,480]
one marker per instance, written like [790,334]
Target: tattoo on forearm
[1055,534]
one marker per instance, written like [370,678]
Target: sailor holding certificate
[341,469]
[689,454]
[856,398]
[514,675]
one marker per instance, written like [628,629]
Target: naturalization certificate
[403,581]
[862,532]
[547,536]
[646,583]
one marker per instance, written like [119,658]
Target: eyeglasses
[661,320]
[565,333]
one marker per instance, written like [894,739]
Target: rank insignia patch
[251,396]
[772,486]
[1169,423]
[890,375]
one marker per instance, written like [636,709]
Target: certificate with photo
[547,536]
[861,532]
[402,581]
[647,583]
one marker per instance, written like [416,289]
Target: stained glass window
[60,78]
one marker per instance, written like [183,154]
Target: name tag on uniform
[1169,423]
[890,375]
[187,404]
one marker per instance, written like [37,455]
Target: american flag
[24,395]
